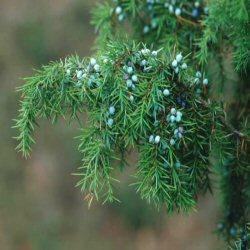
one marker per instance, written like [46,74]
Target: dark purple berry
[178,100]
[195,13]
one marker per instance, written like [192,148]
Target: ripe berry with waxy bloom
[157,139]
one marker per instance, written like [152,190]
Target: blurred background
[39,206]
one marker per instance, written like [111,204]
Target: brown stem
[184,20]
[233,130]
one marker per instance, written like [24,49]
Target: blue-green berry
[130,70]
[171,8]
[105,60]
[93,61]
[179,57]
[166,4]
[154,53]
[131,98]
[151,139]
[233,231]
[110,122]
[174,63]
[184,66]
[129,83]
[196,80]
[79,74]
[172,142]
[97,67]
[220,226]
[146,29]
[178,118]
[198,74]
[197,4]
[154,23]
[166,92]
[181,130]
[205,81]
[145,51]
[157,139]
[165,165]
[173,111]
[177,164]
[178,113]
[121,17]
[180,135]
[172,118]
[144,62]
[111,110]
[134,78]
[68,71]
[177,11]
[118,10]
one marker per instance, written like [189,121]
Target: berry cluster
[189,9]
[120,13]
[143,61]
[111,112]
[178,19]
[90,73]
[200,82]
[198,79]
[237,231]
[130,76]
[154,139]
[132,92]
[174,116]
[177,63]
[232,231]
[192,9]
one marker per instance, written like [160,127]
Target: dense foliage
[153,95]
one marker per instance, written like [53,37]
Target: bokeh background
[40,209]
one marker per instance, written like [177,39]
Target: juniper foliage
[163,95]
